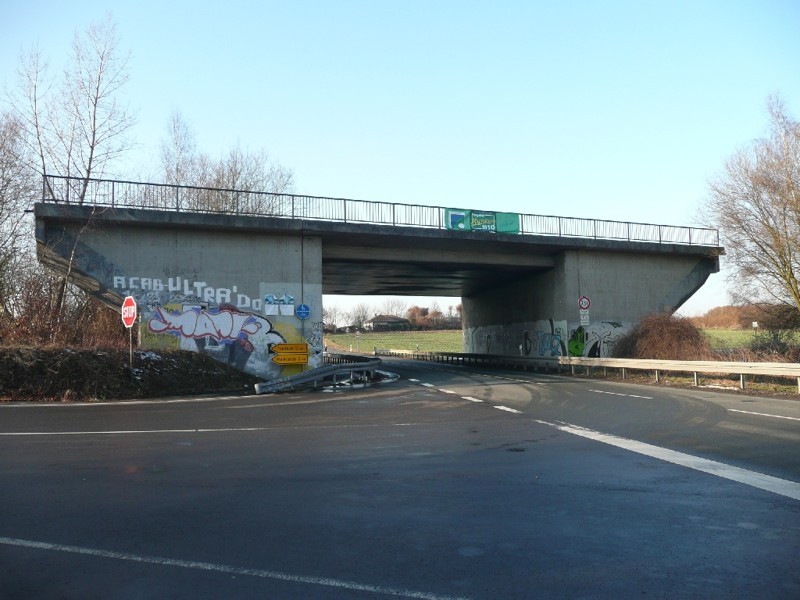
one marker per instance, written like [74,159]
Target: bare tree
[16,194]
[755,203]
[74,125]
[178,152]
[331,316]
[394,306]
[359,315]
[240,181]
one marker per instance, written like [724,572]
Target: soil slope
[71,375]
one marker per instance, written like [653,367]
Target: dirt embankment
[64,375]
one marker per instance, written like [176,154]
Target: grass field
[451,340]
[728,339]
[423,341]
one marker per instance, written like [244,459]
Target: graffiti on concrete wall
[154,292]
[225,333]
[228,323]
[278,305]
[546,338]
[314,339]
[596,340]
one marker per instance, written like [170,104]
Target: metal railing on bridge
[184,198]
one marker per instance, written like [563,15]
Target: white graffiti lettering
[182,288]
[221,325]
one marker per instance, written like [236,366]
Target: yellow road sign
[289,348]
[290,359]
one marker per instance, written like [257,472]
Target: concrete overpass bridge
[233,273]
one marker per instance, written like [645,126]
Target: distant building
[387,323]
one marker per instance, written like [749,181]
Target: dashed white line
[414,380]
[471,399]
[747,412]
[430,385]
[205,566]
[623,395]
[446,391]
[783,487]
[507,409]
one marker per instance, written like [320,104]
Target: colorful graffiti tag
[224,332]
[547,338]
[596,340]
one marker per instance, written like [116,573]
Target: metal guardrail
[184,198]
[742,369]
[337,365]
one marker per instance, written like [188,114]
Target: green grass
[451,340]
[728,339]
[422,341]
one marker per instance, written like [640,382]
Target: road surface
[446,483]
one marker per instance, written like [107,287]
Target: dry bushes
[83,322]
[725,317]
[663,336]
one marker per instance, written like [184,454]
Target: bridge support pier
[539,315]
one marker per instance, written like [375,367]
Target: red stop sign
[129,311]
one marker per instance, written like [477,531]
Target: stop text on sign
[129,311]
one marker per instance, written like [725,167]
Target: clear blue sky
[608,110]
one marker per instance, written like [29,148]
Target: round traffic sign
[303,312]
[129,311]
[584,303]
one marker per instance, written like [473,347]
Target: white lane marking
[618,394]
[783,487]
[414,380]
[219,430]
[507,409]
[278,404]
[446,391]
[471,399]
[430,385]
[119,402]
[747,412]
[205,566]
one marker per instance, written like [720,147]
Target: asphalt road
[447,483]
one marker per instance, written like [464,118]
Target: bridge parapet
[182,198]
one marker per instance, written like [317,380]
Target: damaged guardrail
[338,364]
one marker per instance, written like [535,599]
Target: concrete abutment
[539,315]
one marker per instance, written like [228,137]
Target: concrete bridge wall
[227,292]
[539,315]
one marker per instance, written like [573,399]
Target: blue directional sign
[303,312]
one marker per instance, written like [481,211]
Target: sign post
[583,310]
[128,319]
